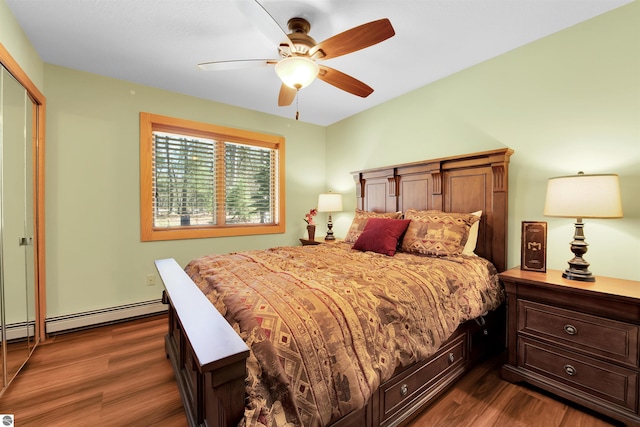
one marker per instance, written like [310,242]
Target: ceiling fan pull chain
[297,104]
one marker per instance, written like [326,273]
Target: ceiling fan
[297,66]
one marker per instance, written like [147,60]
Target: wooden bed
[210,363]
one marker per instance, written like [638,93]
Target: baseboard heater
[19,330]
[86,319]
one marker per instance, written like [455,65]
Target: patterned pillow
[360,220]
[437,233]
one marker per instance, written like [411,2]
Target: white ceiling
[159,42]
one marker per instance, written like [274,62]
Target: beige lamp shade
[330,202]
[584,196]
[297,71]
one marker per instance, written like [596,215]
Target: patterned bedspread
[326,325]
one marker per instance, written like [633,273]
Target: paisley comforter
[326,324]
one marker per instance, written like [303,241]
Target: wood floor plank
[51,383]
[118,375]
[83,410]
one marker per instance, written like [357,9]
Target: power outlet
[151,279]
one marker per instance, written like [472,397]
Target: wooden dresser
[578,340]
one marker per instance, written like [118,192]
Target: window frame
[153,122]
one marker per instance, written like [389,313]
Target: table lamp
[330,202]
[582,196]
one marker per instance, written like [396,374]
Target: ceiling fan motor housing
[299,35]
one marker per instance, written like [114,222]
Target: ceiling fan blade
[286,96]
[344,81]
[236,64]
[354,39]
[265,22]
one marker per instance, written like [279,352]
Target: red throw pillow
[381,235]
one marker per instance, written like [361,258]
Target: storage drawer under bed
[401,392]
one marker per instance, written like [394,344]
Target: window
[199,180]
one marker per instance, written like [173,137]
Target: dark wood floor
[118,375]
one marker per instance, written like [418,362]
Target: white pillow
[472,240]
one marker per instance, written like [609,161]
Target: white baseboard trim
[107,315]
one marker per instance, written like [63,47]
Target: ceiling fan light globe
[297,71]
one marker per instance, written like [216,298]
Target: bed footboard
[207,355]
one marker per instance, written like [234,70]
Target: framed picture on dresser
[533,253]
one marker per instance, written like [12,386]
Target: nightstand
[320,241]
[578,340]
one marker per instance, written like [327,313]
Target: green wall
[94,255]
[566,103]
[16,43]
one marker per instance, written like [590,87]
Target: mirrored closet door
[20,294]
[16,204]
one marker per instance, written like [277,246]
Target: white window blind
[249,184]
[202,182]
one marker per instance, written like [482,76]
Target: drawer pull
[570,329]
[404,389]
[451,357]
[480,320]
[570,370]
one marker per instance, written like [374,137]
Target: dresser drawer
[598,379]
[397,394]
[596,336]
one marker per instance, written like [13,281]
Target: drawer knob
[404,389]
[570,329]
[570,370]
[451,357]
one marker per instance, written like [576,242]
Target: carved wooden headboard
[465,183]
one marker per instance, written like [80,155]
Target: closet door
[18,286]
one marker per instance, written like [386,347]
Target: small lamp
[330,202]
[297,71]
[582,196]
